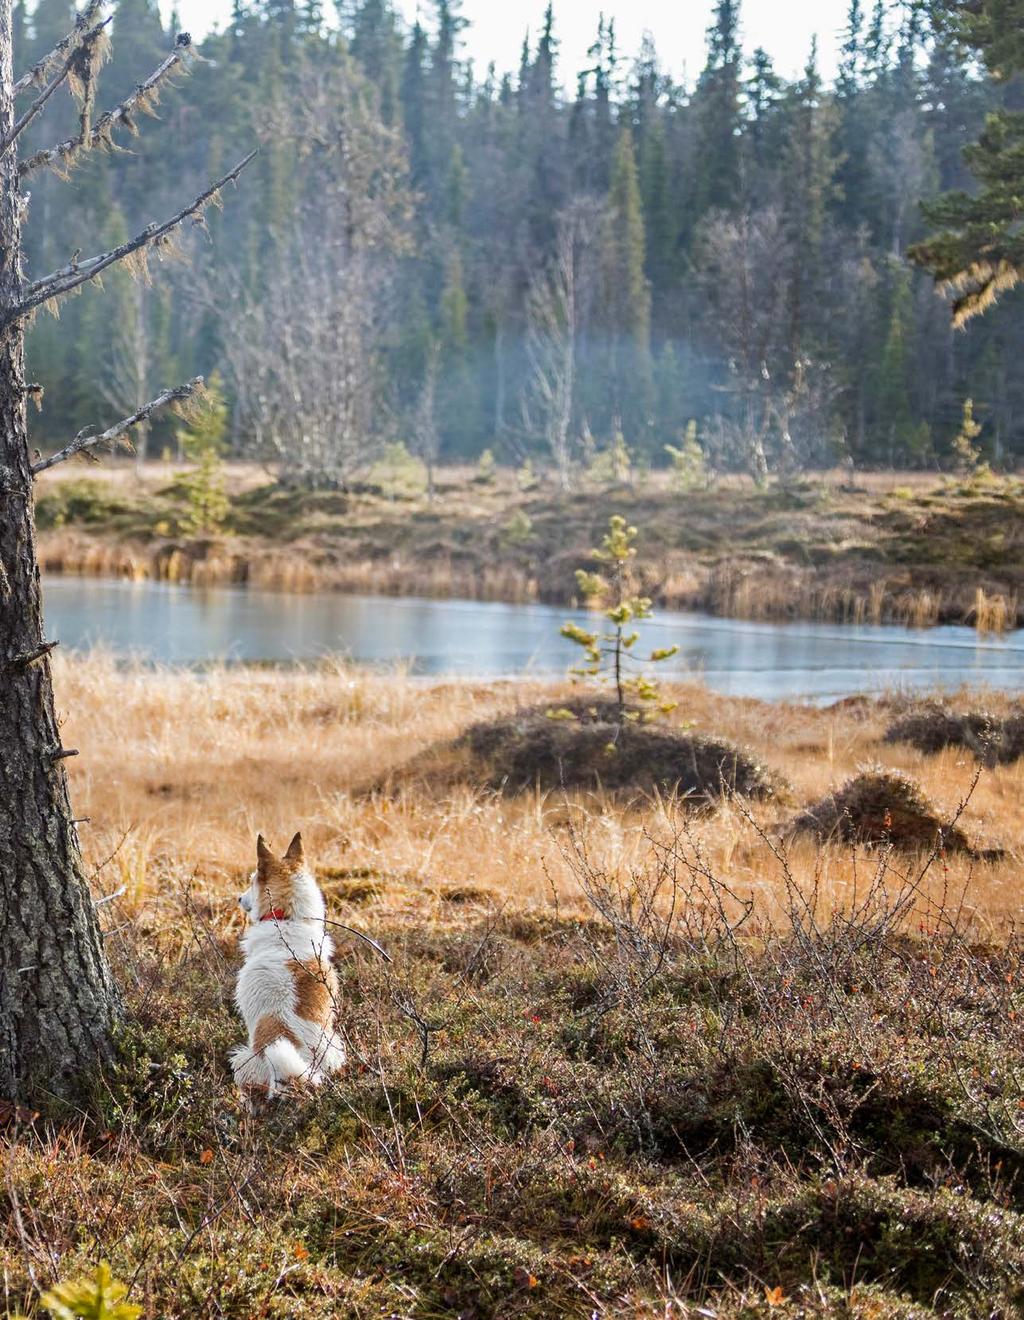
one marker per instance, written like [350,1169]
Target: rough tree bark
[58,1000]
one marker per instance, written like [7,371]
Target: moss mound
[530,748]
[881,807]
[932,727]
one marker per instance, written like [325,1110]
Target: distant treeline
[465,260]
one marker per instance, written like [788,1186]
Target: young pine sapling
[609,655]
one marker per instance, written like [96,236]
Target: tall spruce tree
[626,303]
[809,165]
[58,999]
[979,251]
[718,106]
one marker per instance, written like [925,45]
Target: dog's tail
[265,1070]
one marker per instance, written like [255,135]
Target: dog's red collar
[275,914]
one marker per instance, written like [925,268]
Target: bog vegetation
[636,1053]
[716,1013]
[905,548]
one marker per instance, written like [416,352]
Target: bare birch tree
[744,264]
[58,999]
[426,434]
[310,362]
[555,307]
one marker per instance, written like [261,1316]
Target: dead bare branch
[90,49]
[141,101]
[42,69]
[61,282]
[82,442]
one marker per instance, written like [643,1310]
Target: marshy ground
[631,1058]
[893,547]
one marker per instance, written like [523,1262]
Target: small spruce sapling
[610,655]
[689,467]
[526,478]
[613,466]
[486,469]
[968,454]
[400,472]
[99,1298]
[519,529]
[203,441]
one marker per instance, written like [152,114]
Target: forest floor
[907,548]
[674,1066]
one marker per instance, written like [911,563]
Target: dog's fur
[287,990]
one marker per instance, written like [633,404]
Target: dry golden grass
[611,1120]
[178,771]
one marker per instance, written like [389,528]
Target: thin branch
[56,81]
[365,938]
[27,658]
[142,99]
[61,282]
[82,443]
[62,753]
[63,48]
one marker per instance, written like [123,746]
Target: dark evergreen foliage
[784,210]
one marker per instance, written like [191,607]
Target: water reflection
[186,626]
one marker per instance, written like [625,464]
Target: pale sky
[784,29]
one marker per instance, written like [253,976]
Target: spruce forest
[462,259]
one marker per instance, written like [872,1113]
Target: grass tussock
[932,552]
[583,744]
[933,726]
[627,1061]
[882,807]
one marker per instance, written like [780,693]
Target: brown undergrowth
[626,1061]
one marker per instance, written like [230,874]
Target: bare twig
[61,282]
[27,658]
[63,48]
[58,79]
[360,935]
[83,443]
[142,99]
[109,898]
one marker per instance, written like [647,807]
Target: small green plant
[967,453]
[689,469]
[613,466]
[486,468]
[526,478]
[99,1298]
[203,442]
[399,472]
[519,529]
[609,654]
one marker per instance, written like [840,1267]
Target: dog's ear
[263,853]
[295,853]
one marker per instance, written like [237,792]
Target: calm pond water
[181,625]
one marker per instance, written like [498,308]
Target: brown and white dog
[287,990]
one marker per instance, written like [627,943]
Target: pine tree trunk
[58,1001]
